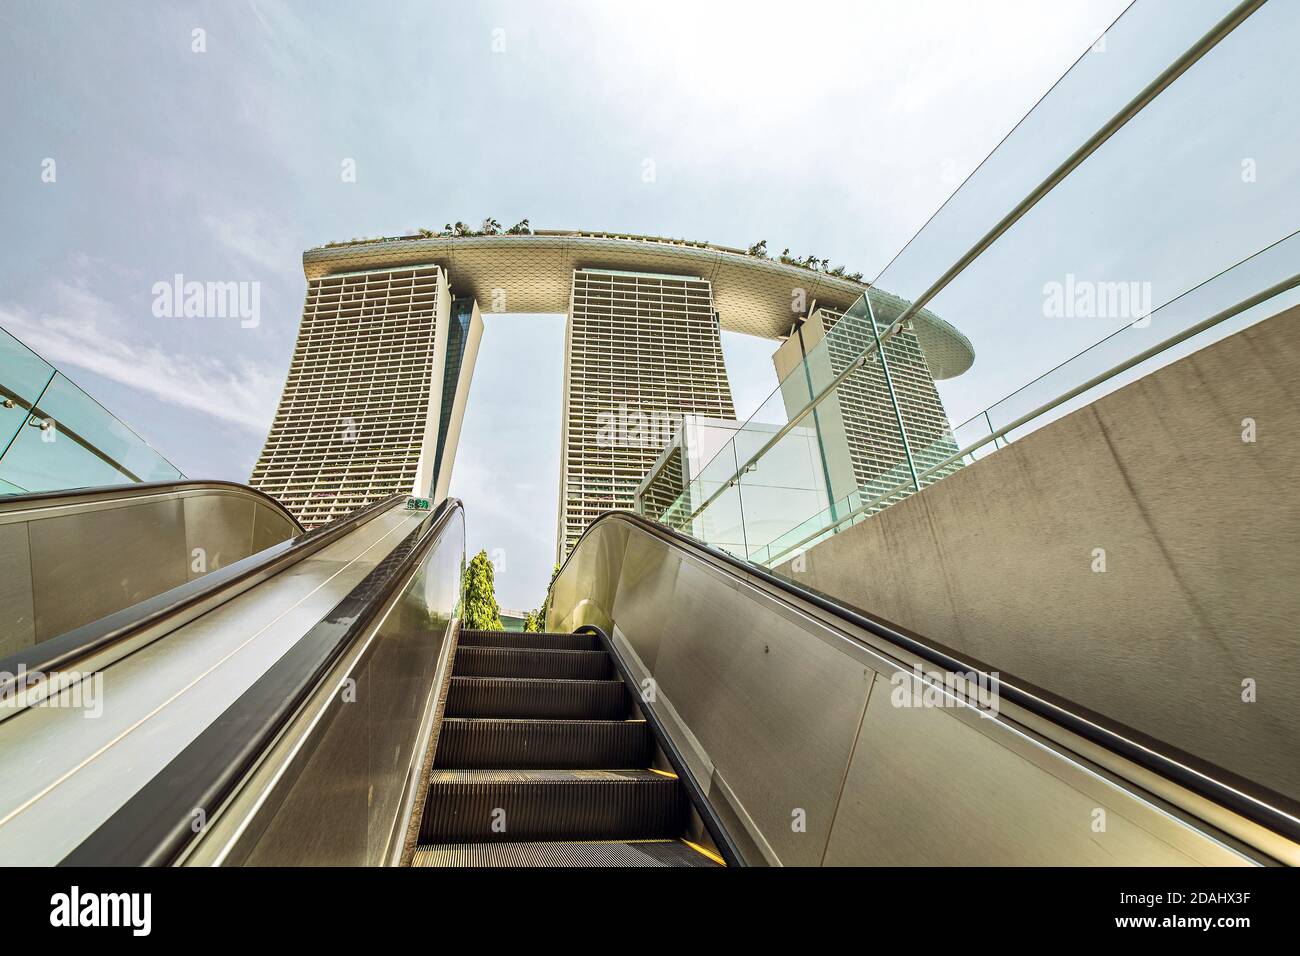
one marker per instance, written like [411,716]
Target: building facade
[376,382]
[864,454]
[641,350]
[379,379]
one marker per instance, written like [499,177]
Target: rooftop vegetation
[492,227]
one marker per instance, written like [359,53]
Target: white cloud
[85,331]
[255,239]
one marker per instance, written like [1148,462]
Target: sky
[834,129]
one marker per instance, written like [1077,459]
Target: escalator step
[530,662]
[543,744]
[496,806]
[559,642]
[540,699]
[595,853]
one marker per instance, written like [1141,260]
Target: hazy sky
[831,128]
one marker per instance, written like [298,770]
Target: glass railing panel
[982,434]
[1268,268]
[806,532]
[74,410]
[846,454]
[45,459]
[73,442]
[719,518]
[1137,48]
[810,373]
[785,485]
[23,376]
[678,513]
[975,438]
[1174,198]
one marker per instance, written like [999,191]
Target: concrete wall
[1201,532]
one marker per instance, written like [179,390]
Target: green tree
[482,613]
[546,601]
[536,620]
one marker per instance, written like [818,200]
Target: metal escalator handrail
[155,827]
[143,489]
[731,854]
[24,671]
[1261,805]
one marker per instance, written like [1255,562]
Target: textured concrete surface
[1201,532]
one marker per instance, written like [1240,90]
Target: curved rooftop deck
[752,294]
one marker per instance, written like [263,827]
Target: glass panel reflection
[56,436]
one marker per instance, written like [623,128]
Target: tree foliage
[481,609]
[536,620]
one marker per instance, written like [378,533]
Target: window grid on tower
[642,351]
[352,419]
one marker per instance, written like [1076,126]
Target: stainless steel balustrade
[341,783]
[191,661]
[68,558]
[805,732]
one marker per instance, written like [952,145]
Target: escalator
[209,639]
[308,698]
[543,760]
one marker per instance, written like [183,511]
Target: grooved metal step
[558,642]
[532,662]
[486,743]
[498,806]
[541,699]
[594,853]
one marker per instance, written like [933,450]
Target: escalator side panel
[159,699]
[803,723]
[75,557]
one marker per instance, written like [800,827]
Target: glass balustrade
[1146,251]
[55,436]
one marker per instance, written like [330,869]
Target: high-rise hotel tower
[375,394]
[640,351]
[864,453]
[390,329]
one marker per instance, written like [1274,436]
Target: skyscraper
[862,449]
[373,392]
[390,329]
[640,351]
